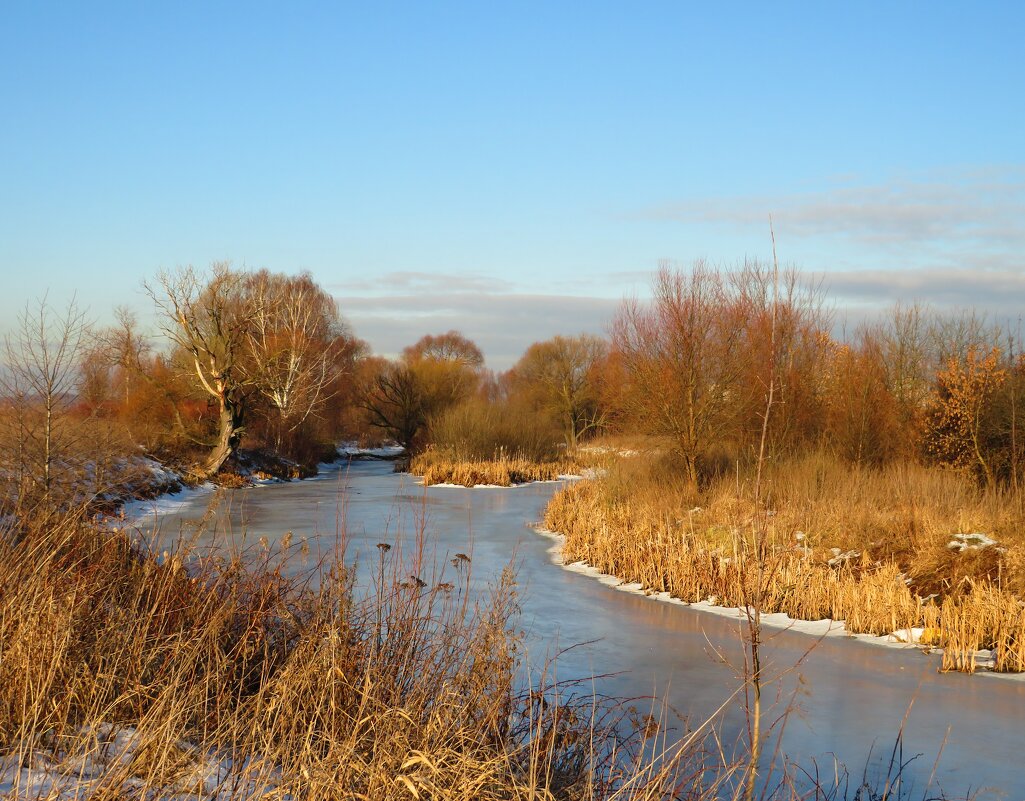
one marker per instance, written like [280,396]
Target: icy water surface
[851,697]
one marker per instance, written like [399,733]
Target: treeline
[695,365]
[266,361]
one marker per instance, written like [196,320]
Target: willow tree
[295,347]
[210,322]
[559,378]
[393,400]
[433,375]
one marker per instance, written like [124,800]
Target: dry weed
[127,672]
[869,547]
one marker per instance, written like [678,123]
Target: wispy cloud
[412,281]
[502,324]
[984,208]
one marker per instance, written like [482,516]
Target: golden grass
[869,547]
[407,692]
[503,471]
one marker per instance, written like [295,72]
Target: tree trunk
[228,436]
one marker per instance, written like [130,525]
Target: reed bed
[983,618]
[130,673]
[127,671]
[503,471]
[876,549]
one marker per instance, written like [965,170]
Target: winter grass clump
[866,546]
[501,471]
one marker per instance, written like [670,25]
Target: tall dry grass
[127,673]
[869,547]
[436,467]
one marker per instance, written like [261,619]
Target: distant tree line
[265,360]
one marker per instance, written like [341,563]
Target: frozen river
[851,697]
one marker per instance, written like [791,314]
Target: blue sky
[511,170]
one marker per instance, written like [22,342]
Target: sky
[511,170]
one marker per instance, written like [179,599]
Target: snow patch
[352,450]
[976,541]
[138,512]
[842,558]
[103,748]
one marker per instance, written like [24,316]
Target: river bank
[918,638]
[903,639]
[228,674]
[850,698]
[913,551]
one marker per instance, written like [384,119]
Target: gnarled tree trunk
[229,434]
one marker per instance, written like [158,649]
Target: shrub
[478,429]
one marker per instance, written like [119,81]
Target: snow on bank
[142,511]
[904,639]
[447,485]
[352,450]
[104,748]
[586,473]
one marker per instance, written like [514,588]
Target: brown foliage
[434,375]
[962,430]
[561,379]
[695,363]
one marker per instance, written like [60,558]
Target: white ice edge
[779,620]
[144,510]
[447,485]
[351,449]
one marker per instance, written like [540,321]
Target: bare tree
[448,368]
[433,375]
[39,383]
[394,402]
[785,331]
[681,360]
[292,344]
[211,324]
[450,347]
[560,375]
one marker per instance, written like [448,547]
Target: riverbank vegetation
[893,495]
[127,671]
[884,550]
[501,471]
[894,448]
[889,464]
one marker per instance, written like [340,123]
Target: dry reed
[871,548]
[502,471]
[124,672]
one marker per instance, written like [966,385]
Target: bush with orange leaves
[964,427]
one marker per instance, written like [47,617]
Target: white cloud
[502,324]
[1001,292]
[943,217]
